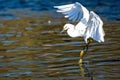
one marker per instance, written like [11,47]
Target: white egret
[89,24]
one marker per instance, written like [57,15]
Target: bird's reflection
[85,71]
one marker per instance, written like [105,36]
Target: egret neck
[71,31]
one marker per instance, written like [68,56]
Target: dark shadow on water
[105,61]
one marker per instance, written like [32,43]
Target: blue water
[108,9]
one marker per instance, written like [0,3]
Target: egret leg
[84,51]
[87,45]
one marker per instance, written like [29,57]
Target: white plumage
[89,23]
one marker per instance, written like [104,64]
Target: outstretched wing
[94,29]
[75,12]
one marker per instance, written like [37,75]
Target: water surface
[32,47]
[32,50]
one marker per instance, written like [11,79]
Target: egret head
[67,26]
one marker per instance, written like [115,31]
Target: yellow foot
[90,40]
[81,53]
[80,61]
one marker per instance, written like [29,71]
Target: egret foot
[81,56]
[82,53]
[80,61]
[90,40]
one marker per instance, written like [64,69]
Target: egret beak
[62,31]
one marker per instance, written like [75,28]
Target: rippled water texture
[32,48]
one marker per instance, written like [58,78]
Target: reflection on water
[33,49]
[85,72]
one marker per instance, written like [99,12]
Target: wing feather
[89,25]
[94,29]
[74,11]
